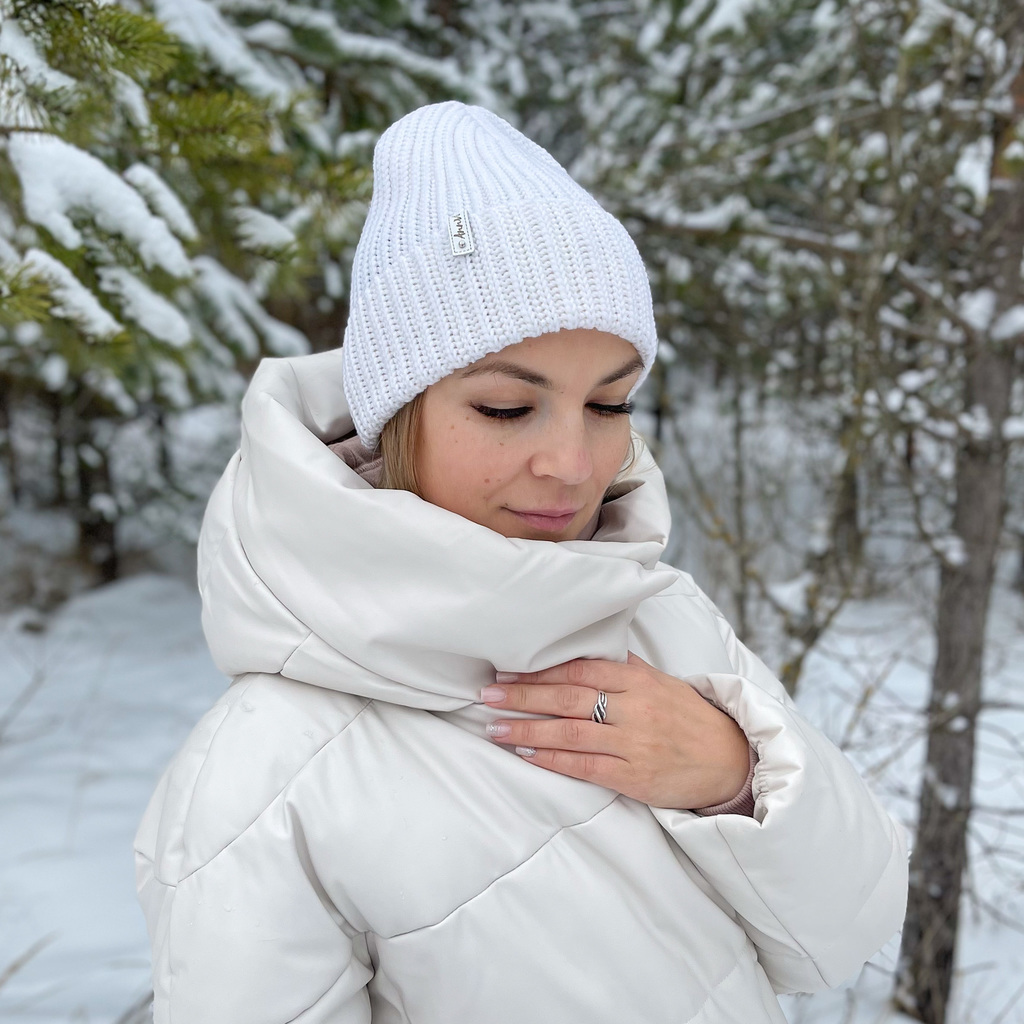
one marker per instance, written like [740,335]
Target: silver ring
[600,708]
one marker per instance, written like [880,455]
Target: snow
[1009,324]
[978,308]
[823,125]
[1013,428]
[792,594]
[951,549]
[914,380]
[825,16]
[976,422]
[348,46]
[111,686]
[31,65]
[933,15]
[54,372]
[259,230]
[928,98]
[873,147]
[717,218]
[150,310]
[105,504]
[239,316]
[200,25]
[172,383]
[162,200]
[728,15]
[865,685]
[73,301]
[107,692]
[653,31]
[894,399]
[974,169]
[334,280]
[132,98]
[929,19]
[678,269]
[105,382]
[28,332]
[355,143]
[58,179]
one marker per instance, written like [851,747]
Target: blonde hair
[399,442]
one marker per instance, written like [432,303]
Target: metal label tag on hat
[460,235]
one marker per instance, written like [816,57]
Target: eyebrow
[510,369]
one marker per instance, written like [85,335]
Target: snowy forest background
[829,196]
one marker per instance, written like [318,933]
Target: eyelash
[513,414]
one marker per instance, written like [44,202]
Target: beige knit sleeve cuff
[743,802]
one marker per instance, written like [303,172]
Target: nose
[563,452]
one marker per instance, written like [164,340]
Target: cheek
[463,463]
[609,454]
[486,461]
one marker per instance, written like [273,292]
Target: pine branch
[88,40]
[209,126]
[23,297]
[142,47]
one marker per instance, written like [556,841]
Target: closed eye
[613,410]
[502,414]
[623,409]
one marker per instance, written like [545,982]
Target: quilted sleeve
[818,875]
[249,938]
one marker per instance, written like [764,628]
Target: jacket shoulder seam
[206,756]
[276,796]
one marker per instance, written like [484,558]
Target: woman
[484,758]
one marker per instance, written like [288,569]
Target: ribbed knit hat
[476,238]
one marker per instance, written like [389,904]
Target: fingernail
[498,729]
[526,751]
[492,694]
[506,677]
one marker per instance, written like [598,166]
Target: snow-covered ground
[92,707]
[90,711]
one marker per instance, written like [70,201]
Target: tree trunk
[927,955]
[9,452]
[97,526]
[1018,579]
[60,445]
[847,540]
[97,540]
[741,595]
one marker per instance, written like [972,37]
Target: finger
[557,733]
[610,676]
[601,769]
[561,700]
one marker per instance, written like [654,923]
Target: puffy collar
[308,570]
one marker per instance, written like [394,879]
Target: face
[526,441]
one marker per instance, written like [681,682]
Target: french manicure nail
[526,751]
[506,677]
[498,729]
[492,694]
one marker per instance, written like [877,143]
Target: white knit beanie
[476,238]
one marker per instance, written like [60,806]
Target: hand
[661,742]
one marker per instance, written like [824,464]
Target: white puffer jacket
[338,842]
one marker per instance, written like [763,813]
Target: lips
[549,519]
